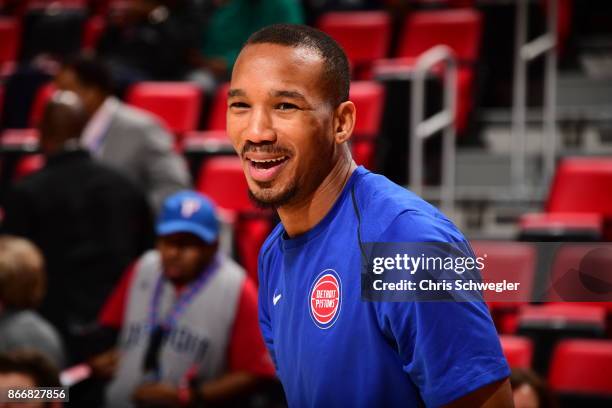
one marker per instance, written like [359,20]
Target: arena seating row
[364,35]
[579,369]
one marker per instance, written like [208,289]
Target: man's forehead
[254,57]
[283,69]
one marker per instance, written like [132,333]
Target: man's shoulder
[390,212]
[133,117]
[272,242]
[30,324]
[139,124]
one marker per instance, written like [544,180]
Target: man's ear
[344,122]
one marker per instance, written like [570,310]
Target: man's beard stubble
[266,201]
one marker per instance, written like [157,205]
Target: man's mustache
[270,148]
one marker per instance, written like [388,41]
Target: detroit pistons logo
[189,207]
[325,299]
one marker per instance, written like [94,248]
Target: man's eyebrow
[288,94]
[235,92]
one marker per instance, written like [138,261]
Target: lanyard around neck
[180,305]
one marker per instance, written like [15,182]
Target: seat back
[460,29]
[222,179]
[176,104]
[364,35]
[518,351]
[218,111]
[94,27]
[582,184]
[37,110]
[369,98]
[10,39]
[582,367]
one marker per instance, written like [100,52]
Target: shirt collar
[98,124]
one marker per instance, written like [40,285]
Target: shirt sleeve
[113,311]
[247,351]
[448,348]
[265,325]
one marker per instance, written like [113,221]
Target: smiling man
[290,119]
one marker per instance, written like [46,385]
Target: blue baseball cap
[189,211]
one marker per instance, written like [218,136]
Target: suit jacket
[90,223]
[135,144]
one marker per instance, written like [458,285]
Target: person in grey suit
[126,138]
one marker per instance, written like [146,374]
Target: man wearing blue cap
[188,317]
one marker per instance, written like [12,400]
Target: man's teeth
[279,159]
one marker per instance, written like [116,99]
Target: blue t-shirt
[331,349]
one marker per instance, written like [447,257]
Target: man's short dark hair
[31,363]
[336,75]
[91,72]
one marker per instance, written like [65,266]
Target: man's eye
[286,106]
[239,105]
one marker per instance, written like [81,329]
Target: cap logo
[325,299]
[189,207]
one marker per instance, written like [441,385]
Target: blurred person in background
[128,139]
[188,319]
[228,28]
[152,40]
[88,220]
[22,287]
[530,391]
[27,369]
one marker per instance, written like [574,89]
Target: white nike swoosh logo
[276,298]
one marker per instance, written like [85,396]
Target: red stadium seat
[580,373]
[37,110]
[28,164]
[518,351]
[547,324]
[368,98]
[579,226]
[216,121]
[514,262]
[459,29]
[582,185]
[22,139]
[364,36]
[222,179]
[176,104]
[10,40]
[93,29]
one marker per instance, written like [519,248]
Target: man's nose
[260,128]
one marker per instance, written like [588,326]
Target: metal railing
[421,128]
[526,52]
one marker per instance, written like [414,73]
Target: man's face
[183,256]
[280,122]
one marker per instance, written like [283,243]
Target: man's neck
[302,216]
